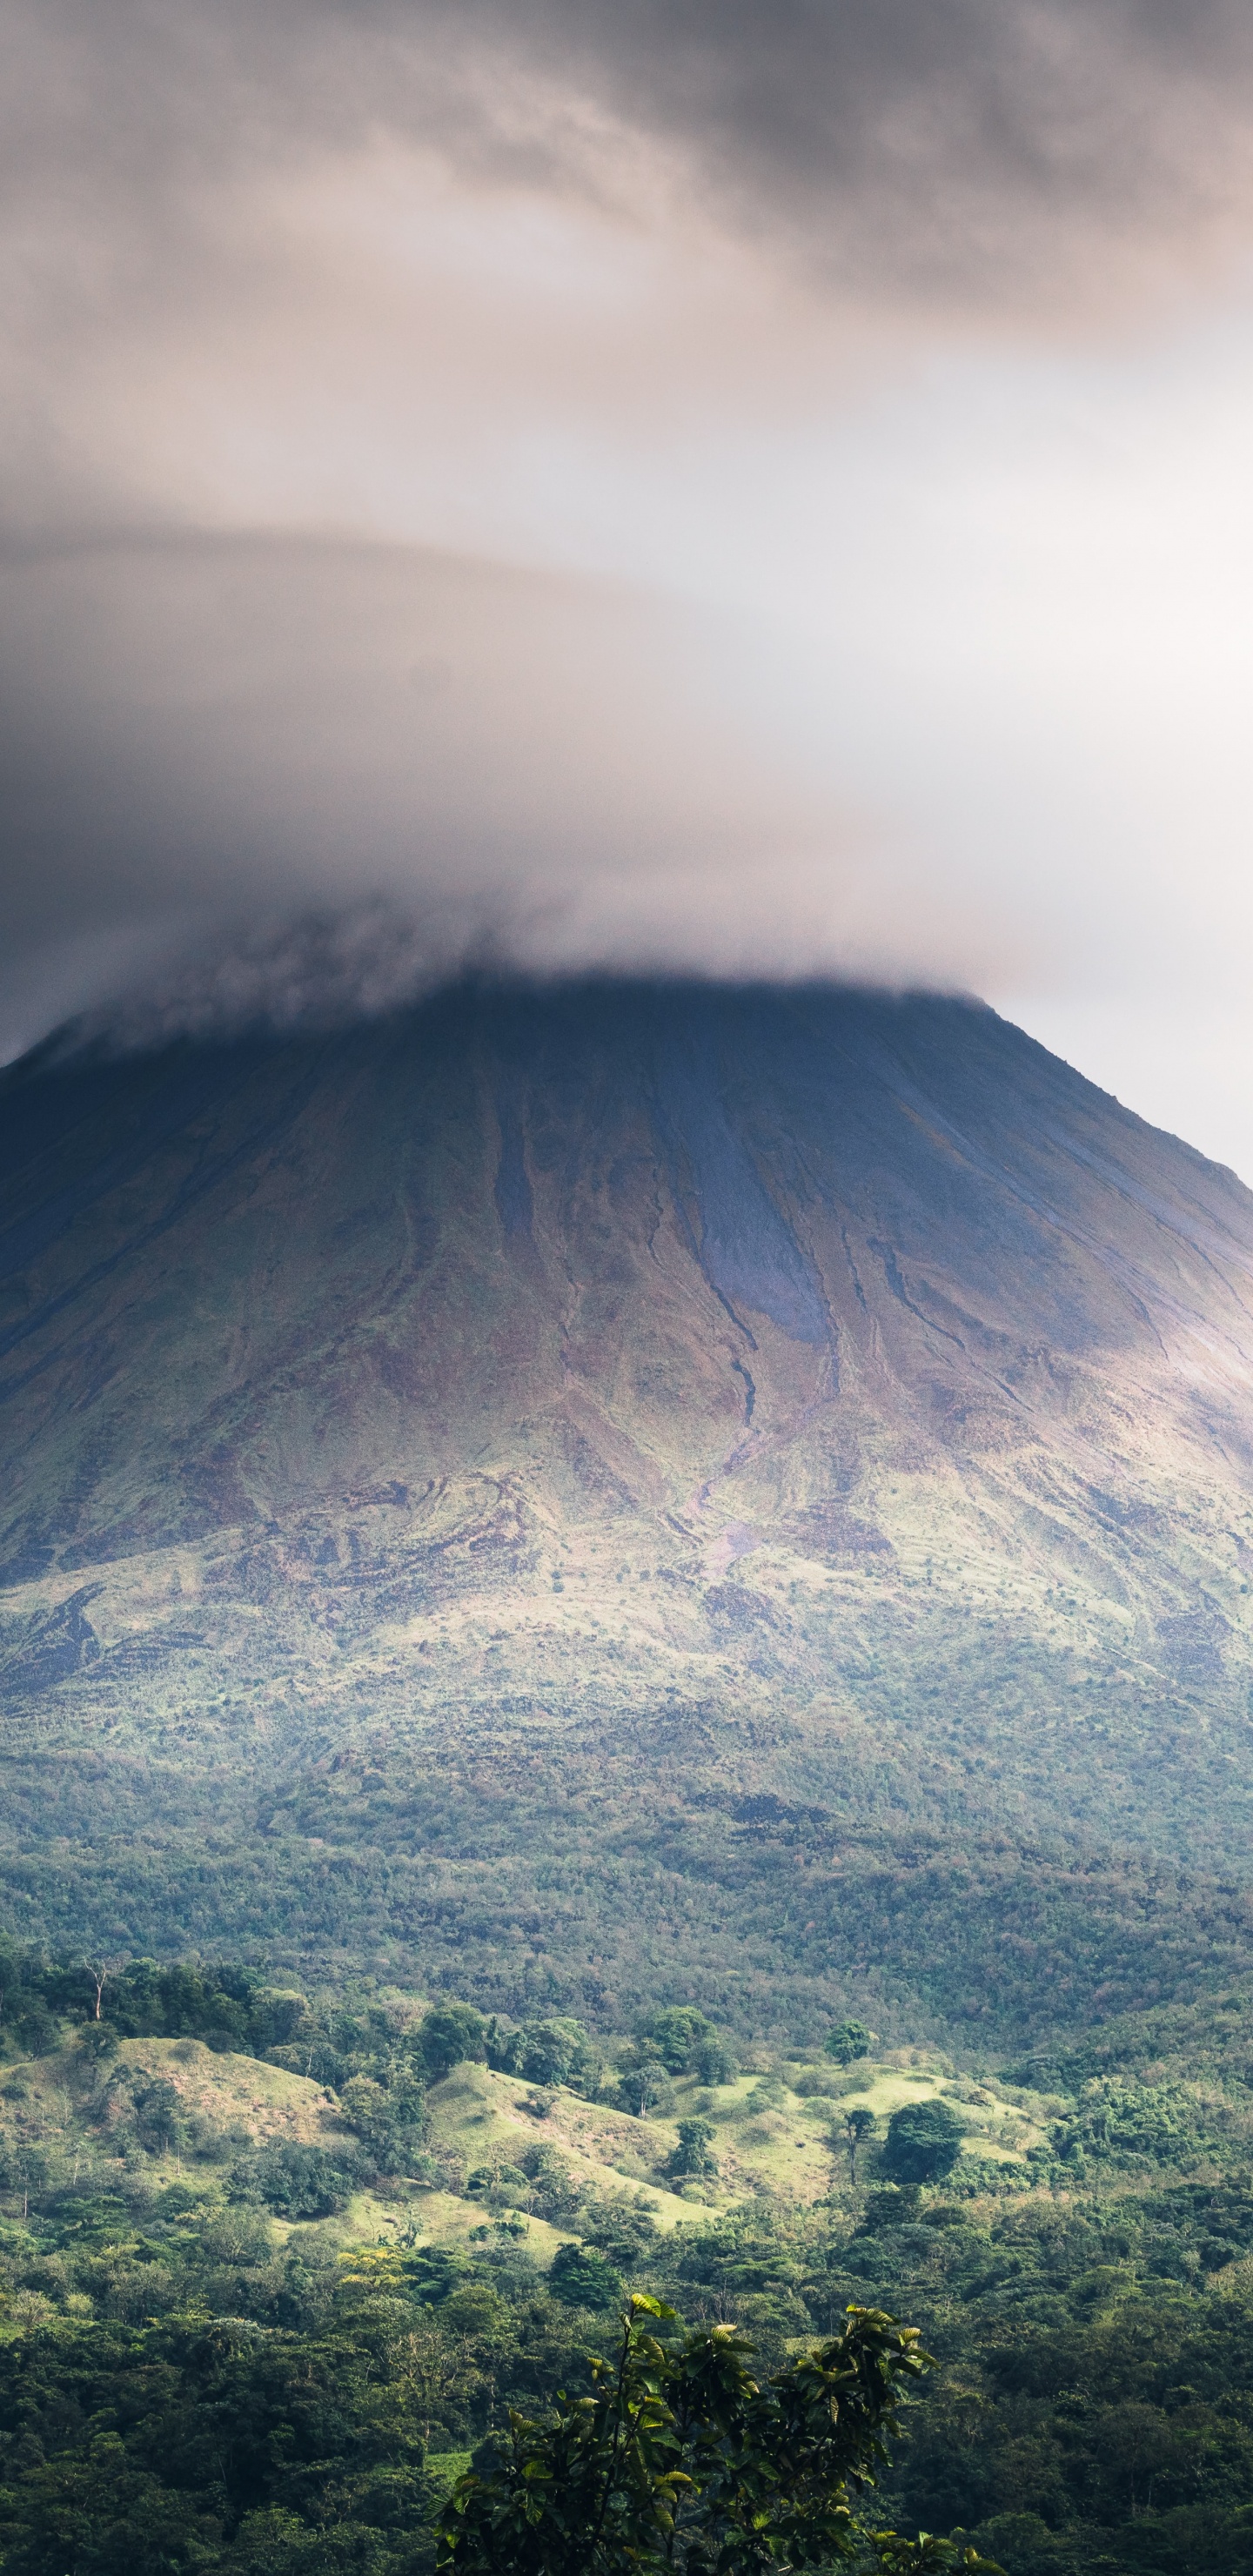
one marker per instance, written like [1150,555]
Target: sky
[756,488]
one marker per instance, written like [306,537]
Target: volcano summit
[618,1402]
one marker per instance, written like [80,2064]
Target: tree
[583,2278]
[166,2451]
[675,2034]
[646,2087]
[858,2126]
[557,2189]
[693,2152]
[680,2460]
[296,2181]
[96,2041]
[713,2061]
[923,2142]
[623,2229]
[158,2114]
[685,2042]
[98,1971]
[548,2050]
[890,2204]
[556,2051]
[449,2034]
[389,2122]
[848,2040]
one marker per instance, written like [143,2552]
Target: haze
[754,490]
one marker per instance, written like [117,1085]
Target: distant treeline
[231,2007]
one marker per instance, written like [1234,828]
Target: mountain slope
[806,1396]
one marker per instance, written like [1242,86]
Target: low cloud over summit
[754,490]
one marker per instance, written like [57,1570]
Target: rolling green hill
[624,1489]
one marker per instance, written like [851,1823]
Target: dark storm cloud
[970,149]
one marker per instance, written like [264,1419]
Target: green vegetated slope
[577,1490]
[273,2267]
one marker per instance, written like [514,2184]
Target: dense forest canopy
[262,2307]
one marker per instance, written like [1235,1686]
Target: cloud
[208,744]
[611,485]
[977,151]
[254,257]
[317,971]
[970,149]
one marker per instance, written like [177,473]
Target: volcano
[824,1405]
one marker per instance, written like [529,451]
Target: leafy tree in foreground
[680,2460]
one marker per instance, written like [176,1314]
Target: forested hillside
[625,1670]
[276,2267]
